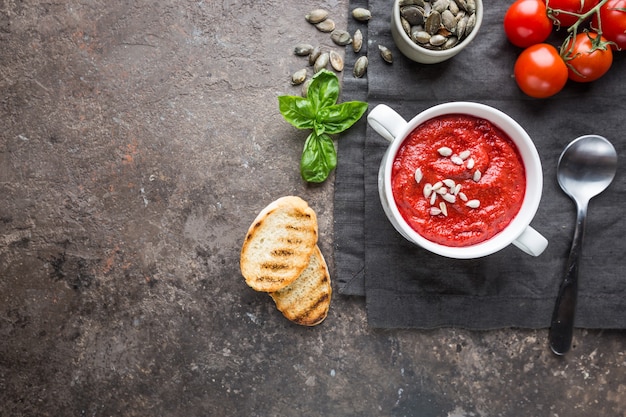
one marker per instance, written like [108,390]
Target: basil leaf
[323,90]
[319,158]
[339,117]
[298,111]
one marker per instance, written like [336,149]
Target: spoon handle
[562,325]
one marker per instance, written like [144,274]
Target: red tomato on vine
[613,18]
[587,58]
[540,71]
[563,8]
[526,23]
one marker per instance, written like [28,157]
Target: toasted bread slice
[306,301]
[279,244]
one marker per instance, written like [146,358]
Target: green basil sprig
[320,112]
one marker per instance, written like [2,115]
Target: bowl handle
[386,122]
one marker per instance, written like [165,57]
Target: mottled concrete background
[138,141]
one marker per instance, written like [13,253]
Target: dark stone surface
[138,141]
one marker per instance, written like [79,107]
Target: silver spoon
[586,168]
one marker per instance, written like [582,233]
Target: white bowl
[423,55]
[394,128]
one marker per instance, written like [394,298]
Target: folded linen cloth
[407,287]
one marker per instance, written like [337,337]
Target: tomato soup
[458,180]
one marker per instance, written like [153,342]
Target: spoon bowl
[586,168]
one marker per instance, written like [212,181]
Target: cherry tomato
[526,23]
[583,66]
[540,71]
[613,16]
[572,6]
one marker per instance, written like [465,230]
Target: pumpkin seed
[317,51]
[298,77]
[321,62]
[437,40]
[341,37]
[419,36]
[386,54]
[305,87]
[360,67]
[448,20]
[357,41]
[326,26]
[440,5]
[336,61]
[361,14]
[413,14]
[316,16]
[406,26]
[433,22]
[411,3]
[303,49]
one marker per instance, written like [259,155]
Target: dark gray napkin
[407,287]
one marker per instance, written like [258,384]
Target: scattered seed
[444,151]
[336,61]
[321,62]
[473,204]
[316,16]
[303,49]
[470,163]
[464,155]
[456,160]
[442,191]
[357,40]
[428,189]
[434,211]
[360,66]
[433,198]
[477,175]
[315,53]
[437,185]
[361,14]
[444,209]
[418,175]
[450,198]
[327,25]
[462,196]
[341,37]
[305,87]
[449,183]
[298,77]
[457,189]
[385,53]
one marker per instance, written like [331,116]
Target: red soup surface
[469,184]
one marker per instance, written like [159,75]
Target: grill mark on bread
[283,252]
[268,278]
[306,318]
[274,266]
